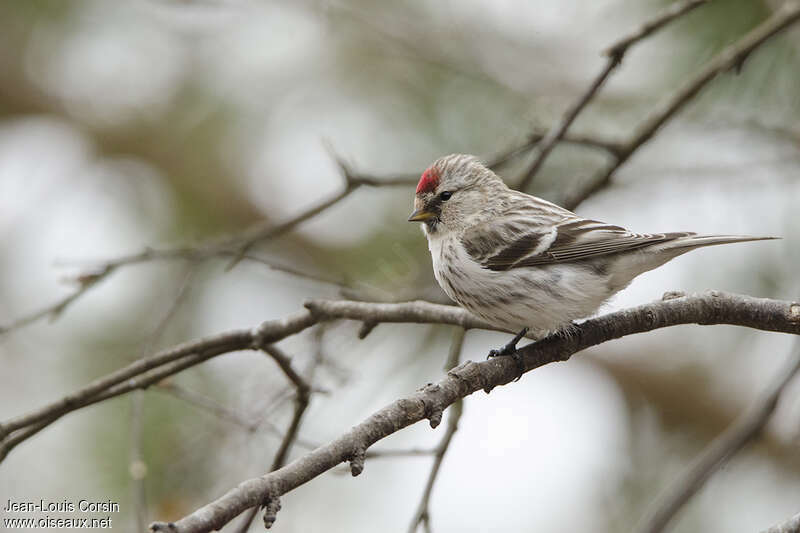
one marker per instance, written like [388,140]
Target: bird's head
[454,193]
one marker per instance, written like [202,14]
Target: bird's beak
[421,215]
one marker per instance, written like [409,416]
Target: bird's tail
[688,241]
[675,244]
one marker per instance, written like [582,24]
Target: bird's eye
[445,195]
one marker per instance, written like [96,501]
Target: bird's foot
[510,349]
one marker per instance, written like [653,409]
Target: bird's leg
[510,348]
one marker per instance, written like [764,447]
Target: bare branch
[416,312]
[85,282]
[674,11]
[734,438]
[264,233]
[423,516]
[285,364]
[103,269]
[151,370]
[615,53]
[148,371]
[732,57]
[707,308]
[352,182]
[301,401]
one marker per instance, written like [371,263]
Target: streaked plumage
[519,261]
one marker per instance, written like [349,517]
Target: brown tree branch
[732,57]
[615,54]
[734,438]
[428,403]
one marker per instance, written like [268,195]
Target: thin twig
[264,233]
[236,247]
[422,516]
[746,428]
[285,364]
[301,402]
[352,182]
[303,397]
[614,55]
[137,468]
[100,270]
[207,404]
[732,57]
[85,282]
[148,371]
[674,11]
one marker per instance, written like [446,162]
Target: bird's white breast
[543,298]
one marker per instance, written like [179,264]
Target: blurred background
[162,123]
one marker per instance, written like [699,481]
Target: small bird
[520,262]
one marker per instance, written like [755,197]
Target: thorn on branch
[740,61]
[313,308]
[93,276]
[433,410]
[435,418]
[271,509]
[366,329]
[357,461]
[616,53]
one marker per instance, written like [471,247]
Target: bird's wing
[509,243]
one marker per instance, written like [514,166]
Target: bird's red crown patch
[429,181]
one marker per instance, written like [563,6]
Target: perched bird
[520,262]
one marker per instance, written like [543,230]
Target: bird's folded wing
[508,244]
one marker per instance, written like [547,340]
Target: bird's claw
[510,349]
[495,353]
